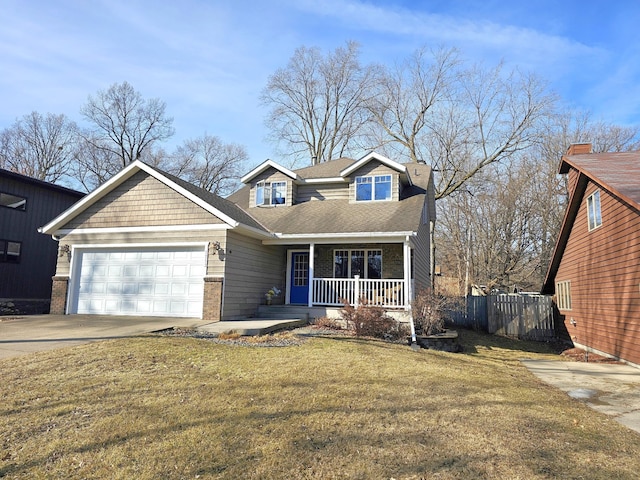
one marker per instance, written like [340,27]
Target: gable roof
[265,166]
[380,158]
[618,173]
[333,217]
[225,210]
[40,183]
[331,171]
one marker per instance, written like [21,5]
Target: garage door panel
[167,282]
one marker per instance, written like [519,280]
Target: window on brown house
[593,210]
[563,295]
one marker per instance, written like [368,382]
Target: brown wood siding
[31,278]
[215,262]
[603,267]
[142,200]
[306,193]
[572,181]
[251,270]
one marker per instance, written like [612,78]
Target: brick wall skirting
[212,302]
[59,292]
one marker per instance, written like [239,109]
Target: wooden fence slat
[523,316]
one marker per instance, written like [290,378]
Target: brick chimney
[579,148]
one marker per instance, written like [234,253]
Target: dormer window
[271,193]
[373,188]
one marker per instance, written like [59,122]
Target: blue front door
[299,278]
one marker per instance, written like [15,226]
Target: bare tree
[39,146]
[124,124]
[317,103]
[459,119]
[407,96]
[94,165]
[209,163]
[516,210]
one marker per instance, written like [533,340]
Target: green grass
[168,407]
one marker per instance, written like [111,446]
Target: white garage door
[139,281]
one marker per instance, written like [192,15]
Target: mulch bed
[283,338]
[579,355]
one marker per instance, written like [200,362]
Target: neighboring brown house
[595,268]
[149,243]
[28,259]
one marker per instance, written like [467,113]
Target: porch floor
[252,327]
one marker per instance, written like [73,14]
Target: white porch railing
[389,293]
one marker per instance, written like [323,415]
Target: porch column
[311,255]
[407,274]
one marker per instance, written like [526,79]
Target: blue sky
[209,60]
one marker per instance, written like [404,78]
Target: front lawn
[335,407]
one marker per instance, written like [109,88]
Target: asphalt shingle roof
[341,216]
[618,172]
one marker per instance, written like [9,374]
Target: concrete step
[283,311]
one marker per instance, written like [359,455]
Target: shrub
[370,321]
[429,312]
[328,323]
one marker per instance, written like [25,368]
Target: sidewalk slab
[611,389]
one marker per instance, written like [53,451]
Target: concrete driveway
[612,389]
[20,335]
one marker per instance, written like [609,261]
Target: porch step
[283,311]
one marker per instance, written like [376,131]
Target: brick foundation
[212,302]
[59,295]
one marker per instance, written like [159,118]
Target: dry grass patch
[343,407]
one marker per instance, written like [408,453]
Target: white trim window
[593,210]
[271,193]
[364,263]
[373,188]
[563,295]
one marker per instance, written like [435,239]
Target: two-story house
[149,243]
[28,259]
[595,268]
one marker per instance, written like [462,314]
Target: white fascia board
[90,198]
[371,237]
[324,180]
[253,232]
[265,165]
[374,156]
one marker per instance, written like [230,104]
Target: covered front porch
[330,274]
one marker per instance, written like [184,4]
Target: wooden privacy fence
[528,317]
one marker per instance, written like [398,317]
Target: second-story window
[370,188]
[13,201]
[271,193]
[593,208]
